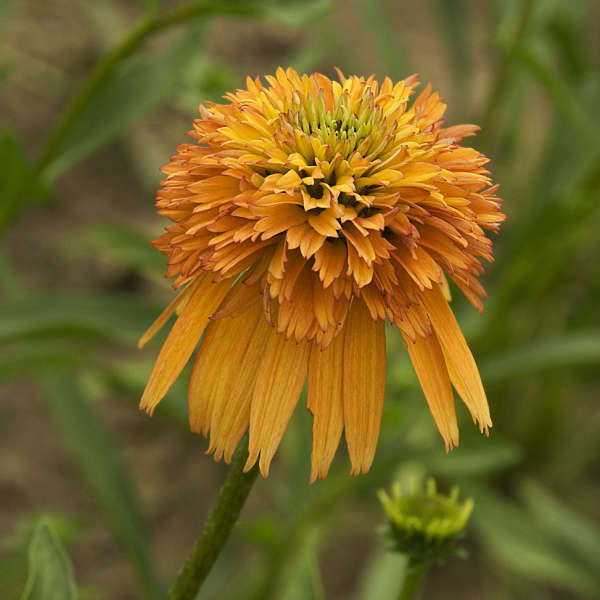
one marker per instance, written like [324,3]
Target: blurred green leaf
[306,583]
[5,7]
[562,352]
[475,459]
[564,31]
[19,185]
[454,20]
[562,95]
[383,576]
[524,546]
[150,5]
[294,13]
[50,572]
[33,356]
[121,246]
[383,35]
[131,377]
[96,451]
[136,87]
[580,537]
[102,318]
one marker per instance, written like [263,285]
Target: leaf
[121,246]
[520,544]
[580,537]
[306,583]
[294,13]
[383,34]
[453,18]
[136,87]
[383,577]
[131,378]
[50,572]
[19,185]
[34,357]
[96,452]
[101,318]
[561,94]
[575,349]
[474,458]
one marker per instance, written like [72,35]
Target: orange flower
[307,213]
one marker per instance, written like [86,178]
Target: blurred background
[94,97]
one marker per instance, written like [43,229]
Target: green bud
[422,523]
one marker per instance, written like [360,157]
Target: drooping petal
[176,305]
[223,379]
[364,384]
[279,383]
[182,340]
[461,364]
[215,370]
[430,367]
[326,403]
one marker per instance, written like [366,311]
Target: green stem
[412,580]
[147,26]
[217,527]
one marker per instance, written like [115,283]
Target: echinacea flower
[422,523]
[307,213]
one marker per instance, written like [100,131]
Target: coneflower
[307,213]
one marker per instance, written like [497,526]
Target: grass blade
[95,451]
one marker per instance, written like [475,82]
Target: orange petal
[459,360]
[175,305]
[217,362]
[430,367]
[364,384]
[223,379]
[325,402]
[182,340]
[278,385]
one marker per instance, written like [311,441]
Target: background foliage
[79,147]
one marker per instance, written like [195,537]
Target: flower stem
[217,527]
[149,24]
[412,580]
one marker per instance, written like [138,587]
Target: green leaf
[136,87]
[306,583]
[580,537]
[35,356]
[50,573]
[121,246]
[295,13]
[561,94]
[520,544]
[454,22]
[383,576]
[561,352]
[384,37]
[19,184]
[474,458]
[96,452]
[101,318]
[131,378]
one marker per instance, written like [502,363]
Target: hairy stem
[217,527]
